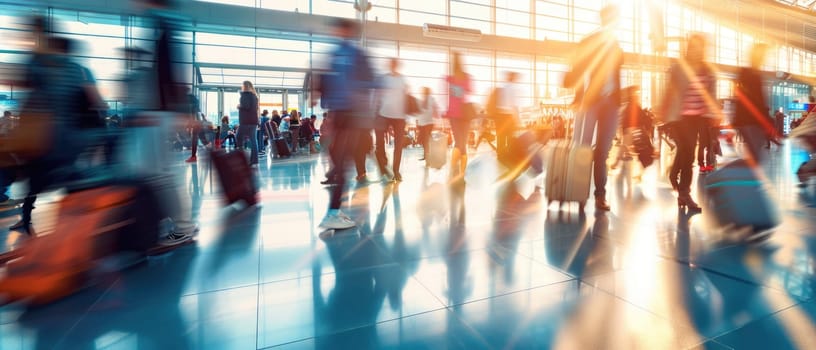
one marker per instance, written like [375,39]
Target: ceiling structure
[802,4]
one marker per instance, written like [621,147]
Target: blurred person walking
[391,115]
[751,119]
[507,113]
[248,120]
[53,114]
[689,106]
[459,116]
[346,92]
[196,126]
[595,76]
[429,111]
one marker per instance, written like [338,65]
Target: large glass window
[301,6]
[419,12]
[335,8]
[383,11]
[474,14]
[513,18]
[552,20]
[479,65]
[425,66]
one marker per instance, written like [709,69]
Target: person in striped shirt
[690,105]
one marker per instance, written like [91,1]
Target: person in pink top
[459,116]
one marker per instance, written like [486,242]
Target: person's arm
[244,102]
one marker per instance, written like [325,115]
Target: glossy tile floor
[484,266]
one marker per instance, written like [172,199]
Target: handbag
[31,139]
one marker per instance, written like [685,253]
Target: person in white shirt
[425,119]
[391,114]
[507,101]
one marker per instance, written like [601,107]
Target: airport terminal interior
[484,263]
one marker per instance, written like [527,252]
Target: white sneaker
[344,216]
[336,222]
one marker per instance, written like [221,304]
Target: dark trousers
[398,125]
[364,145]
[424,137]
[686,132]
[198,134]
[345,147]
[705,153]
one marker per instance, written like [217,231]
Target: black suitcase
[282,148]
[235,176]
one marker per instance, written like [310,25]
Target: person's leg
[379,147]
[703,145]
[240,138]
[713,146]
[607,119]
[423,139]
[346,142]
[753,138]
[251,130]
[459,157]
[260,141]
[686,136]
[194,136]
[399,142]
[363,147]
[295,132]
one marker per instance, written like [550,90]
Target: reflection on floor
[431,266]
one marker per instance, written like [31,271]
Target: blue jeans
[248,132]
[600,120]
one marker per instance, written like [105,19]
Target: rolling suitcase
[282,148]
[437,151]
[736,196]
[89,227]
[568,173]
[235,177]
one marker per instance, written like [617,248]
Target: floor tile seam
[309,275]
[374,324]
[527,289]
[85,312]
[758,284]
[219,290]
[703,338]
[429,291]
[706,339]
[719,343]
[736,278]
[761,319]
